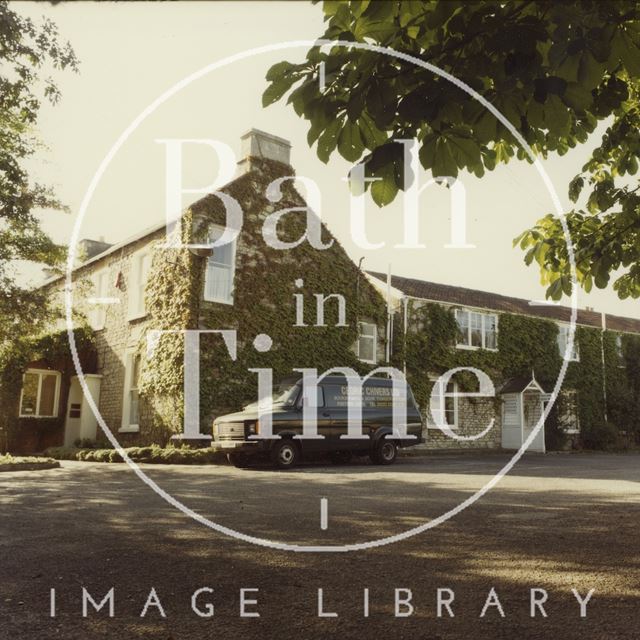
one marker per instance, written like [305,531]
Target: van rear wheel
[384,452]
[285,454]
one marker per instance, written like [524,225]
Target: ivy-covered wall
[266,280]
[525,345]
[48,351]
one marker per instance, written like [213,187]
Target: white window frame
[56,399]
[563,329]
[232,270]
[430,421]
[126,426]
[98,312]
[373,337]
[484,316]
[620,350]
[571,396]
[136,289]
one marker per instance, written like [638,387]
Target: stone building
[306,307]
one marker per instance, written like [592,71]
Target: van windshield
[286,394]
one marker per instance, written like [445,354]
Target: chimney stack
[259,144]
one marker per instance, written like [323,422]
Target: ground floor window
[367,342]
[568,419]
[443,405]
[130,404]
[40,394]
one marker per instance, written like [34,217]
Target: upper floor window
[563,340]
[477,330]
[40,394]
[221,267]
[98,312]
[619,349]
[367,342]
[140,267]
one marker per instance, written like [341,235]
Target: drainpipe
[603,317]
[405,304]
[388,349]
[358,285]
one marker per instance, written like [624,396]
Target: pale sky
[131,53]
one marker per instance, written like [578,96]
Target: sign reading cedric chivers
[352,391]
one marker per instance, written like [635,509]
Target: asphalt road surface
[554,523]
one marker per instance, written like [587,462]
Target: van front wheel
[384,452]
[285,454]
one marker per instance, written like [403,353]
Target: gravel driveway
[555,523]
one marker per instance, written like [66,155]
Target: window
[367,342]
[319,397]
[40,394]
[563,339]
[218,281]
[568,418]
[477,330]
[620,350]
[98,312]
[140,265]
[443,401]
[130,404]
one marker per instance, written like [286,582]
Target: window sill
[368,361]
[31,415]
[434,427]
[132,428]
[229,303]
[137,316]
[466,347]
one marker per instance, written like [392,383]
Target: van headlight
[254,428]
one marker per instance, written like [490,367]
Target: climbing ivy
[264,286]
[529,345]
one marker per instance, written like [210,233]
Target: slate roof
[449,294]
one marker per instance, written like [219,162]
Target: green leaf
[556,115]
[444,163]
[384,191]
[280,70]
[358,7]
[379,31]
[349,142]
[464,150]
[625,49]
[409,11]
[591,71]
[575,187]
[554,290]
[371,135]
[569,68]
[328,140]
[577,97]
[276,90]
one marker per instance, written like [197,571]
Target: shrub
[603,436]
[150,455]
[62,453]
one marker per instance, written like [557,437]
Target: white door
[511,424]
[532,411]
[74,414]
[80,422]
